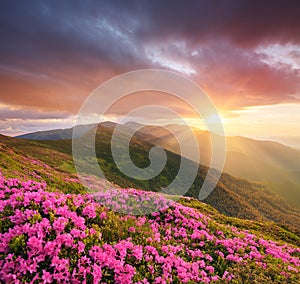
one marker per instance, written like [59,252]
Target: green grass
[233,197]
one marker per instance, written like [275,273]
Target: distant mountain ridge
[232,196]
[269,162]
[56,134]
[276,165]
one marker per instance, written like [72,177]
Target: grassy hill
[274,164]
[34,161]
[232,196]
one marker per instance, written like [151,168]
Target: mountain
[274,164]
[232,196]
[57,134]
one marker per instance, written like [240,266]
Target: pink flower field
[51,237]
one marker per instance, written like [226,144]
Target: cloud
[238,77]
[54,54]
[245,23]
[15,121]
[8,112]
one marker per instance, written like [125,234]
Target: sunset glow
[51,62]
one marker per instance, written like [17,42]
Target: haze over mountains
[276,165]
[233,196]
[265,161]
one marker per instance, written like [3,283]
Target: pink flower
[178,243]
[35,244]
[81,247]
[131,229]
[89,211]
[47,277]
[103,215]
[137,252]
[59,224]
[97,273]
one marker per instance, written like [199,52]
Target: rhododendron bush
[51,237]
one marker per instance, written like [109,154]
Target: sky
[244,54]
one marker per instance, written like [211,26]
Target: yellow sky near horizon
[50,63]
[272,122]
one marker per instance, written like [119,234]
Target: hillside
[65,238]
[232,196]
[33,161]
[274,164]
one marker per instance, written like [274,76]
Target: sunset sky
[244,54]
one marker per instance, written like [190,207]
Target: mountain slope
[274,164]
[29,160]
[232,196]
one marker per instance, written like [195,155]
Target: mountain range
[232,196]
[275,165]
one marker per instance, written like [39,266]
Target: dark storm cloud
[110,31]
[245,23]
[54,32]
[54,53]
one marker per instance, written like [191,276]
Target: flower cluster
[51,237]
